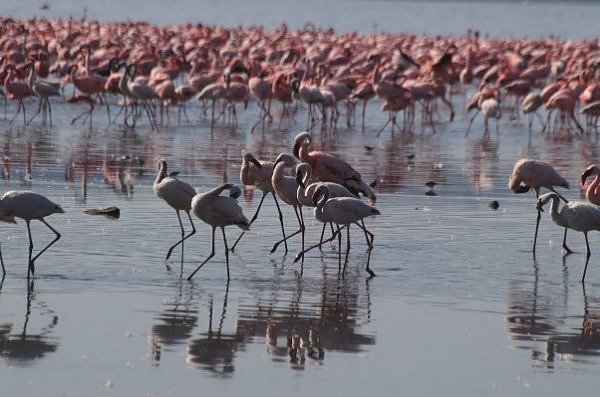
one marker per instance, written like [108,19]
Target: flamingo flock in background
[331,74]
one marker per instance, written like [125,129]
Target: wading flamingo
[528,174]
[178,195]
[329,168]
[306,190]
[27,206]
[342,211]
[577,215]
[259,174]
[219,211]
[286,188]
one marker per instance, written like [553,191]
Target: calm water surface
[459,306]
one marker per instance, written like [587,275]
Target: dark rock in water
[431,184]
[110,212]
[494,205]
[430,193]
[368,148]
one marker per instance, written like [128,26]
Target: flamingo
[259,174]
[286,188]
[329,168]
[592,193]
[305,193]
[16,90]
[490,109]
[219,211]
[43,90]
[178,195]
[27,206]
[342,211]
[528,174]
[577,215]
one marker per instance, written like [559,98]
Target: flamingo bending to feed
[577,215]
[528,174]
[178,195]
[27,206]
[219,211]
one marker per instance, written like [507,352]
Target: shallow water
[458,306]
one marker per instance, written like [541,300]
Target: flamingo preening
[530,174]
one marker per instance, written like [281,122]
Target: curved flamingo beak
[586,174]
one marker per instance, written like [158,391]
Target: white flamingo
[342,211]
[219,211]
[286,188]
[306,189]
[258,173]
[178,195]
[27,206]
[580,216]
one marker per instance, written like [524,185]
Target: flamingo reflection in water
[216,351]
[24,348]
[175,323]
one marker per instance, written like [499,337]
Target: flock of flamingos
[145,70]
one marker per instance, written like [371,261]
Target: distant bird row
[580,216]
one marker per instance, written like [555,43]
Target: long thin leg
[368,235]
[471,121]
[252,220]
[212,253]
[339,236]
[30,268]
[587,244]
[226,252]
[368,269]
[300,230]
[322,234]
[347,248]
[280,221]
[301,220]
[183,236]
[537,225]
[564,244]
[2,263]
[49,244]
[333,236]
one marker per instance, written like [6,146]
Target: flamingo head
[249,157]
[162,164]
[287,159]
[303,138]
[320,196]
[591,170]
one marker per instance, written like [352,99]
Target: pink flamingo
[592,193]
[16,90]
[329,168]
[528,174]
[219,211]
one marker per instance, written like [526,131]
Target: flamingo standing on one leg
[329,168]
[528,174]
[219,211]
[27,206]
[259,174]
[178,195]
[577,215]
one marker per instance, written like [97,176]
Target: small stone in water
[494,205]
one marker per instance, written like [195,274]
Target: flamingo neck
[557,216]
[162,173]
